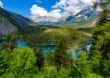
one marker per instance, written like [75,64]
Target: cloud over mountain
[60,11]
[1,4]
[41,14]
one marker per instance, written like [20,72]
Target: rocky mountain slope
[10,22]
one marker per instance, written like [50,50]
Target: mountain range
[10,21]
[82,16]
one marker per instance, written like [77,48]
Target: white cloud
[89,2]
[36,10]
[73,6]
[99,9]
[40,14]
[1,4]
[69,7]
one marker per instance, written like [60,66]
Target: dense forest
[31,62]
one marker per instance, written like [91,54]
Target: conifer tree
[101,41]
[40,58]
[50,57]
[61,55]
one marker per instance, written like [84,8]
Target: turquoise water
[53,48]
[21,43]
[47,48]
[88,47]
[74,53]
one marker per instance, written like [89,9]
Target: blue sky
[23,6]
[46,10]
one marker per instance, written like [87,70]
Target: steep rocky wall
[6,27]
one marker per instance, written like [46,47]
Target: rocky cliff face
[10,22]
[6,27]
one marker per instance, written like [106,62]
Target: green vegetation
[101,38]
[40,58]
[18,62]
[62,57]
[52,35]
[31,62]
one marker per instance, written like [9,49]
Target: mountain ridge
[10,21]
[82,16]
